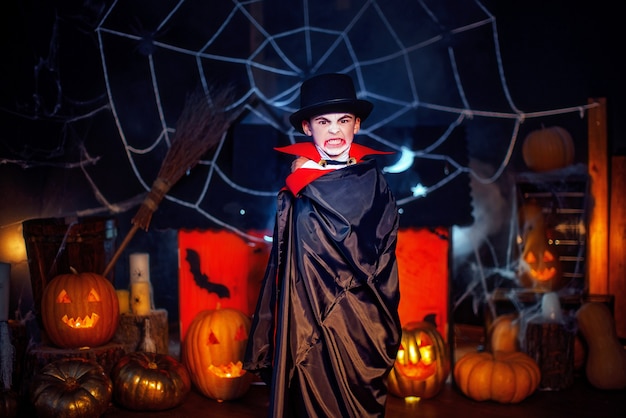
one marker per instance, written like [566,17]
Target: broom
[200,127]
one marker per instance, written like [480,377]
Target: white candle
[140,300]
[5,290]
[551,307]
[139,267]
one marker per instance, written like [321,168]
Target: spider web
[414,60]
[433,70]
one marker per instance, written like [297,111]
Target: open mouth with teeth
[86,322]
[334,142]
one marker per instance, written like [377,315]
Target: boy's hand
[297,163]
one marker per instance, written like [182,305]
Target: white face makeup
[332,132]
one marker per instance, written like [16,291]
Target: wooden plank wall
[597,261]
[617,242]
[606,238]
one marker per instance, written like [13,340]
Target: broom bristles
[200,127]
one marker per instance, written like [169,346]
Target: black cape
[326,329]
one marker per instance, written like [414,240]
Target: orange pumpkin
[503,333]
[499,376]
[539,265]
[605,365]
[548,149]
[422,364]
[213,350]
[80,310]
[580,353]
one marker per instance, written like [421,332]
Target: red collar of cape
[303,176]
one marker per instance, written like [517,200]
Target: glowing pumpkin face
[213,351]
[539,265]
[416,358]
[80,310]
[542,266]
[88,321]
[422,363]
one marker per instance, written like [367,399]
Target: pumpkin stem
[73,270]
[71,383]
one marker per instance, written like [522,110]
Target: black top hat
[328,93]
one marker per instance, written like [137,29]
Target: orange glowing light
[86,322]
[230,370]
[12,244]
[542,273]
[423,269]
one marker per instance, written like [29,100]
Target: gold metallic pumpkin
[71,388]
[145,381]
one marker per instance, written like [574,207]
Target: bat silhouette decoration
[201,279]
[431,318]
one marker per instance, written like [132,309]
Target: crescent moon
[404,163]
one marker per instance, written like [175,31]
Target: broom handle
[120,249]
[159,189]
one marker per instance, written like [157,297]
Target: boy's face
[332,132]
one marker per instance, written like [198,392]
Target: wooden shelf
[564,198]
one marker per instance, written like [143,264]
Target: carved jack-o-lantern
[422,364]
[79,310]
[213,350]
[539,264]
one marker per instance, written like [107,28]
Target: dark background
[61,154]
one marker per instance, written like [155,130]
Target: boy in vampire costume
[326,328]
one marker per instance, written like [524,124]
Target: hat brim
[359,108]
